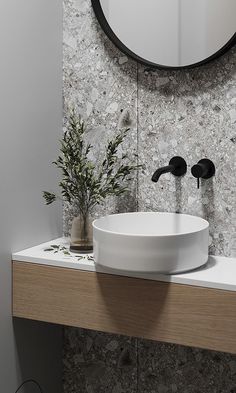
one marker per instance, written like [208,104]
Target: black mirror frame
[108,31]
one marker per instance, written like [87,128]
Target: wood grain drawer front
[175,313]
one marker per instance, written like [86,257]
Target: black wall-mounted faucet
[177,166]
[204,169]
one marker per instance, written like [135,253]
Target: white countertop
[218,273]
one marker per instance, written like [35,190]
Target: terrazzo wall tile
[104,363]
[101,83]
[188,113]
[166,368]
[99,363]
[191,114]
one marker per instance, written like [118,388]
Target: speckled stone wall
[188,113]
[104,363]
[192,114]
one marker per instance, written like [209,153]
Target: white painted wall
[30,125]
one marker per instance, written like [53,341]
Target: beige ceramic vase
[81,234]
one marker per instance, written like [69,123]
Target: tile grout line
[137,208]
[137,137]
[137,365]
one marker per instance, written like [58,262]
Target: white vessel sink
[151,242]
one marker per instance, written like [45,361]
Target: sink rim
[204,222]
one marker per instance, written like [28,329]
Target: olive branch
[82,181]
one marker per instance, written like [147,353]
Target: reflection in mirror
[171,33]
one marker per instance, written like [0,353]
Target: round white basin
[151,242]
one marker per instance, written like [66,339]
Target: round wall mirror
[169,33]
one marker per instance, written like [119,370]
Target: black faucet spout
[160,171]
[177,166]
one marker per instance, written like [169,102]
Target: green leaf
[82,181]
[49,197]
